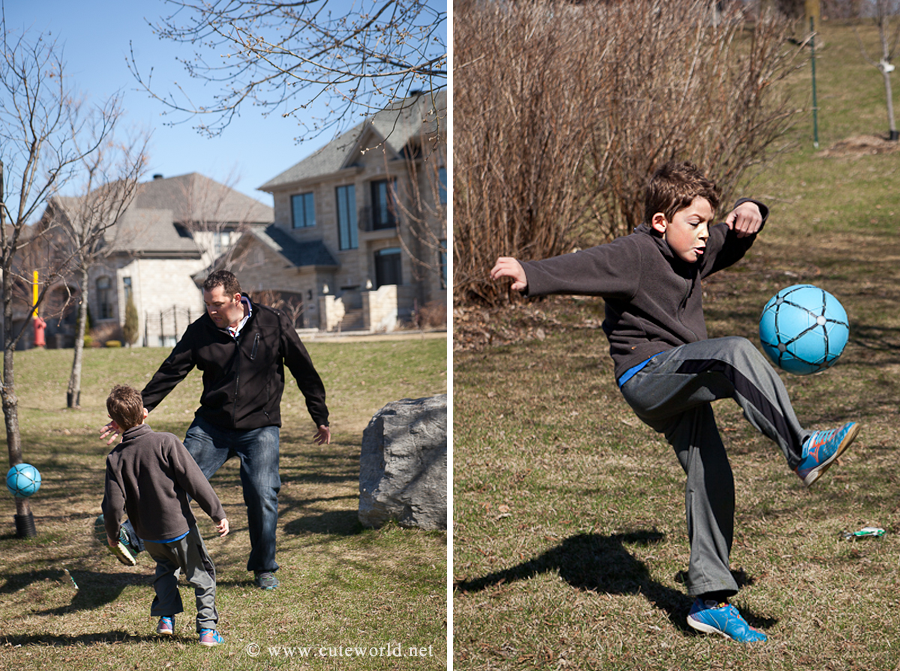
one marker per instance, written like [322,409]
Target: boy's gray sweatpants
[190,555]
[673,395]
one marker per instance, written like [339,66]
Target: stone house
[174,228]
[359,237]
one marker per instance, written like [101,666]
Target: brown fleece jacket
[150,476]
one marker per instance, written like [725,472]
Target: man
[242,348]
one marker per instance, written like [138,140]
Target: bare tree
[41,124]
[884,12]
[561,112]
[420,198]
[285,56]
[87,223]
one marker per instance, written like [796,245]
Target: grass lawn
[342,587]
[569,533]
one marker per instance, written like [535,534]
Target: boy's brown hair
[674,186]
[125,406]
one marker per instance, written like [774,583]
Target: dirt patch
[860,145]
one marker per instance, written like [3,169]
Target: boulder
[403,465]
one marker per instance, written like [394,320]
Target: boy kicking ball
[151,475]
[670,372]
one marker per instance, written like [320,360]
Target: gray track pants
[190,555]
[673,395]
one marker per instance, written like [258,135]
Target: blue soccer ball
[23,480]
[803,329]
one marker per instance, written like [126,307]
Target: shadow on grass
[82,639]
[598,563]
[94,589]
[333,522]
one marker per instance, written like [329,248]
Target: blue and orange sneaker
[210,637]
[166,625]
[722,619]
[821,450]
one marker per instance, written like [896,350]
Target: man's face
[225,309]
[688,231]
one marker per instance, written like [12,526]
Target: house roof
[152,224]
[396,126]
[197,198]
[299,253]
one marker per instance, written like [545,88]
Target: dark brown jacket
[654,300]
[150,476]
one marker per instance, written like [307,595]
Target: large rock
[403,465]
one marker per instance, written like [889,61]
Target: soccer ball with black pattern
[803,329]
[23,480]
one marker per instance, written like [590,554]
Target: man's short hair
[674,186]
[224,279]
[125,406]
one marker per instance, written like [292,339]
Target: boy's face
[688,230]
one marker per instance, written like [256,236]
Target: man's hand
[222,528]
[323,435]
[509,267]
[745,219]
[112,430]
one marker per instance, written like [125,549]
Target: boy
[669,372]
[151,475]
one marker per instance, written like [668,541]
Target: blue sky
[95,35]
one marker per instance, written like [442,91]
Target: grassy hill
[569,536]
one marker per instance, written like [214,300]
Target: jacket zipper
[237,379]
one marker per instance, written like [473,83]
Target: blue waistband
[634,370]
[168,540]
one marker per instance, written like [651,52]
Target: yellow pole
[34,294]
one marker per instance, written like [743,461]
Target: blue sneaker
[723,619]
[822,448]
[266,580]
[210,637]
[166,626]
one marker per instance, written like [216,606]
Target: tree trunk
[73,394]
[24,518]
[892,127]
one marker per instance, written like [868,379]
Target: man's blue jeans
[258,451]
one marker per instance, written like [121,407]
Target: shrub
[113,343]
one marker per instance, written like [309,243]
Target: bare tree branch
[284,56]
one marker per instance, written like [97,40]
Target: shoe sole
[816,473]
[209,645]
[706,629]
[121,553]
[165,632]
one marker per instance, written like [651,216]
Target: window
[442,185]
[346,211]
[221,242]
[103,296]
[387,267]
[383,210]
[442,260]
[126,283]
[303,210]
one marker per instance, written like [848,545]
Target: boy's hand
[509,267]
[222,528]
[112,543]
[111,428]
[745,219]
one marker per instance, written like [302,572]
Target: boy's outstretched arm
[746,219]
[509,267]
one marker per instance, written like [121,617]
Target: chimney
[157,176]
